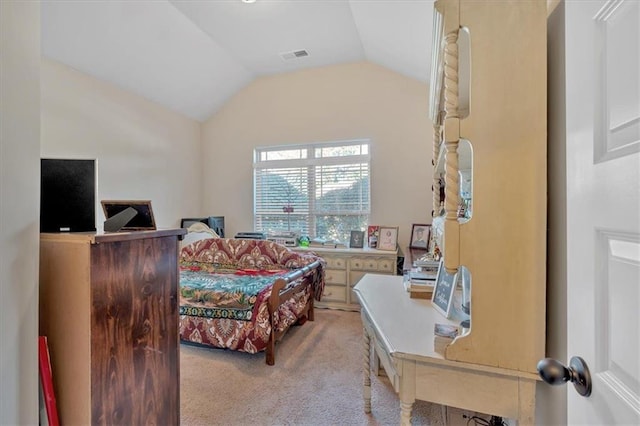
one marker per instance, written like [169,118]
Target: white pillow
[196,232]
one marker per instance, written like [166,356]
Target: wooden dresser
[109,307]
[345,267]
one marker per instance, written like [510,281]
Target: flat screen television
[67,195]
[214,222]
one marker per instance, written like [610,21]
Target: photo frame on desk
[442,297]
[357,239]
[420,236]
[388,238]
[373,232]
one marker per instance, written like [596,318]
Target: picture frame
[420,236]
[442,298]
[388,238]
[142,221]
[373,231]
[357,239]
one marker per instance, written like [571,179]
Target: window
[320,190]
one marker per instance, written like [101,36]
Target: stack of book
[421,283]
[420,275]
[427,267]
[443,335]
[326,243]
[421,291]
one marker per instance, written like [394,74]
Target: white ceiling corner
[396,34]
[192,55]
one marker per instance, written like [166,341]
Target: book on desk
[419,283]
[421,290]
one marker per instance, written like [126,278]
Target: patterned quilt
[224,288]
[224,294]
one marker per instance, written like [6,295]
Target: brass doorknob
[555,373]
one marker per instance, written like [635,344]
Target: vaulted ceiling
[192,56]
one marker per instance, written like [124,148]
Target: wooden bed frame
[279,295]
[283,289]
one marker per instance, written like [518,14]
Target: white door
[603,206]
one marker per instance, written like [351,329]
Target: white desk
[400,329]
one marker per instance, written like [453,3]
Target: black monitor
[214,222]
[67,195]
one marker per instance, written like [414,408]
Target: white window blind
[319,190]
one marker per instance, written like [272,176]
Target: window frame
[308,159]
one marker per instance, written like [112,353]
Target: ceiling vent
[296,54]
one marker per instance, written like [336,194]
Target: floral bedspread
[227,294]
[224,288]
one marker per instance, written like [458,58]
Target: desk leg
[407,392]
[405,413]
[367,372]
[527,398]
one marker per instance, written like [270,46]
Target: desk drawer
[357,263]
[380,352]
[335,277]
[334,293]
[387,363]
[336,262]
[372,264]
[387,265]
[493,393]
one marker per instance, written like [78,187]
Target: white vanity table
[400,330]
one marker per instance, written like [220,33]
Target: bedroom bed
[245,294]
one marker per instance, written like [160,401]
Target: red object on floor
[46,379]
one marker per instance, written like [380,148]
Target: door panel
[603,206]
[617,38]
[617,301]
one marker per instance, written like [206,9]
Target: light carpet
[316,380]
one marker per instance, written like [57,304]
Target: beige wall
[144,151]
[333,103]
[19,210]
